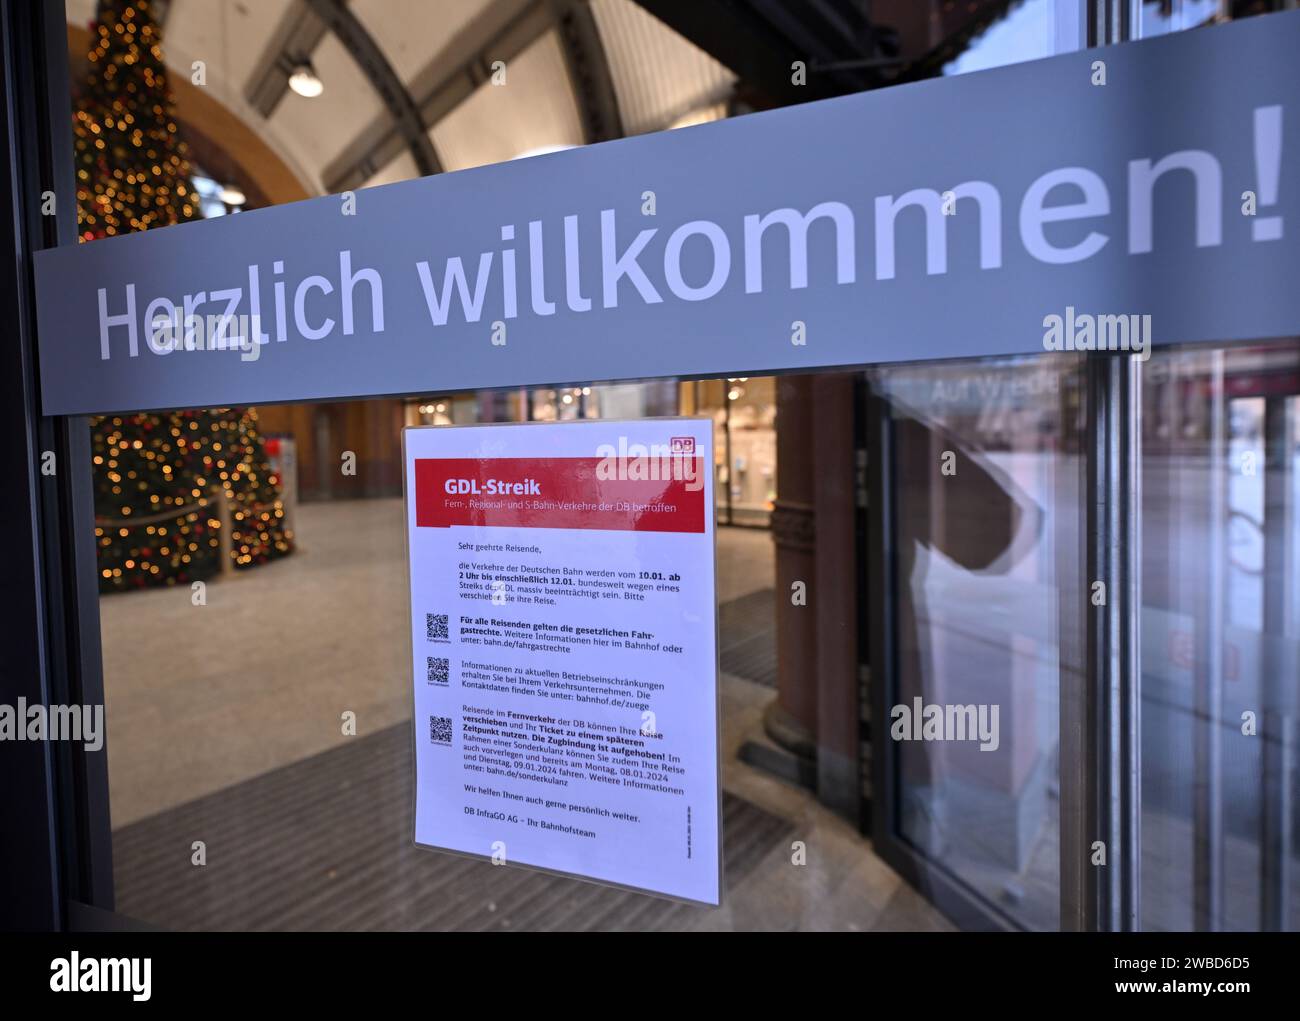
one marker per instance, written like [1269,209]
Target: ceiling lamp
[305,82]
[231,195]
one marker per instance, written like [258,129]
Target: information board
[564,648]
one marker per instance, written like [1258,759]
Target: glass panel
[743,409]
[241,795]
[1026,31]
[1220,635]
[977,449]
[1160,17]
[710,397]
[751,428]
[254,616]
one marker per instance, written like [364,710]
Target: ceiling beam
[405,114]
[747,45]
[503,30]
[302,28]
[588,66]
[759,41]
[957,39]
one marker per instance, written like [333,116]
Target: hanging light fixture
[232,195]
[305,81]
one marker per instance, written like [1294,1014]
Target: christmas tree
[175,493]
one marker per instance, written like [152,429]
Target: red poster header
[635,494]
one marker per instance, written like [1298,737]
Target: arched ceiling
[409,81]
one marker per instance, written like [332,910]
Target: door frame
[57,850]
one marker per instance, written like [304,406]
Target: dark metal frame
[54,799]
[1278,728]
[1208,810]
[1102,792]
[1103,690]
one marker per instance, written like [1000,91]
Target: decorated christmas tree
[175,493]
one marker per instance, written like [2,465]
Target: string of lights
[133,173]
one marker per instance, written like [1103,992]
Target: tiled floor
[201,698]
[325,843]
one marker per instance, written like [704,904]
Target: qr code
[435,627]
[440,729]
[437,669]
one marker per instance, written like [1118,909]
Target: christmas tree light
[166,485]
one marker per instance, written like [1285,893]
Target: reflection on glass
[1160,17]
[1025,32]
[743,409]
[976,449]
[1220,639]
[272,724]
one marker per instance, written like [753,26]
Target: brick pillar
[834,599]
[791,720]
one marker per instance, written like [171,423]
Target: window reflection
[1220,639]
[977,447]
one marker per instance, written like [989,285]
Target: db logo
[682,445]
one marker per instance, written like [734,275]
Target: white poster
[564,648]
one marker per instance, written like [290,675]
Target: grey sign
[1025,208]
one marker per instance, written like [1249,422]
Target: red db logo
[682,445]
